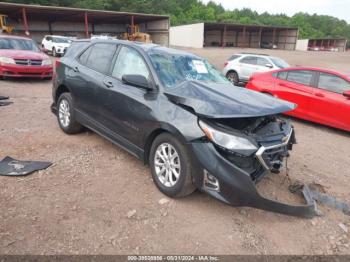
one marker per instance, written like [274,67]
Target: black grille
[28,62]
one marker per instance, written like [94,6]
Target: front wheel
[171,166]
[233,77]
[54,53]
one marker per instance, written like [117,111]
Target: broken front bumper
[236,187]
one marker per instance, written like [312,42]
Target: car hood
[63,44]
[22,54]
[225,100]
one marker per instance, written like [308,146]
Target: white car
[240,67]
[56,45]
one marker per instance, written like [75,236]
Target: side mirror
[347,94]
[137,80]
[269,65]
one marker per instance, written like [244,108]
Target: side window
[84,56]
[249,60]
[303,77]
[99,57]
[234,57]
[282,75]
[333,83]
[262,61]
[129,62]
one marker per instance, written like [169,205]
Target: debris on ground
[12,167]
[318,193]
[344,227]
[163,201]
[5,103]
[131,213]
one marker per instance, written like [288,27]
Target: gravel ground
[98,199]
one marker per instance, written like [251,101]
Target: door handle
[108,84]
[319,94]
[76,69]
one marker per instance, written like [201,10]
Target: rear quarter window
[234,57]
[75,48]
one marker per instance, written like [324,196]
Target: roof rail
[247,53]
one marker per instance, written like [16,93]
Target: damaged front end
[236,153]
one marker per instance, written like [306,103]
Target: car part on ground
[321,197]
[173,110]
[322,96]
[240,67]
[20,57]
[12,167]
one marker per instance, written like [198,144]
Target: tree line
[189,11]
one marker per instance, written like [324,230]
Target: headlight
[6,60]
[46,62]
[225,140]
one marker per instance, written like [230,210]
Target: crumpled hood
[23,54]
[225,100]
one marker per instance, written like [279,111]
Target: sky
[337,8]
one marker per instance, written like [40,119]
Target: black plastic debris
[13,167]
[318,194]
[5,103]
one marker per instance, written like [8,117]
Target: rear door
[247,66]
[86,77]
[296,86]
[330,106]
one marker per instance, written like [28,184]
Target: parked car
[323,96]
[239,67]
[56,45]
[268,45]
[21,57]
[174,111]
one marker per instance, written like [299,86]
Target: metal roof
[220,25]
[52,13]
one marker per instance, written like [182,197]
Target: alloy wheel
[64,113]
[167,164]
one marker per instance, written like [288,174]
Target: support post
[223,40]
[273,36]
[132,25]
[50,28]
[86,25]
[260,35]
[244,38]
[25,21]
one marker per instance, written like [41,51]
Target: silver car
[240,67]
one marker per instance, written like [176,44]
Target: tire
[65,114]
[232,76]
[183,185]
[54,53]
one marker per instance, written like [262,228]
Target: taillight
[225,64]
[57,63]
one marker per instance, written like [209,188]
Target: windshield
[61,40]
[279,62]
[18,44]
[173,69]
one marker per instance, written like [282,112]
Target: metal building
[37,21]
[233,35]
[322,44]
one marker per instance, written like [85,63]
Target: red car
[322,96]
[21,57]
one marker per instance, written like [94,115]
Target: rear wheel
[232,76]
[65,114]
[171,166]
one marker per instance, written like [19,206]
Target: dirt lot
[98,199]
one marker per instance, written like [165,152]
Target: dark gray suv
[177,113]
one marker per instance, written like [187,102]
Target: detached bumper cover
[26,71]
[236,186]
